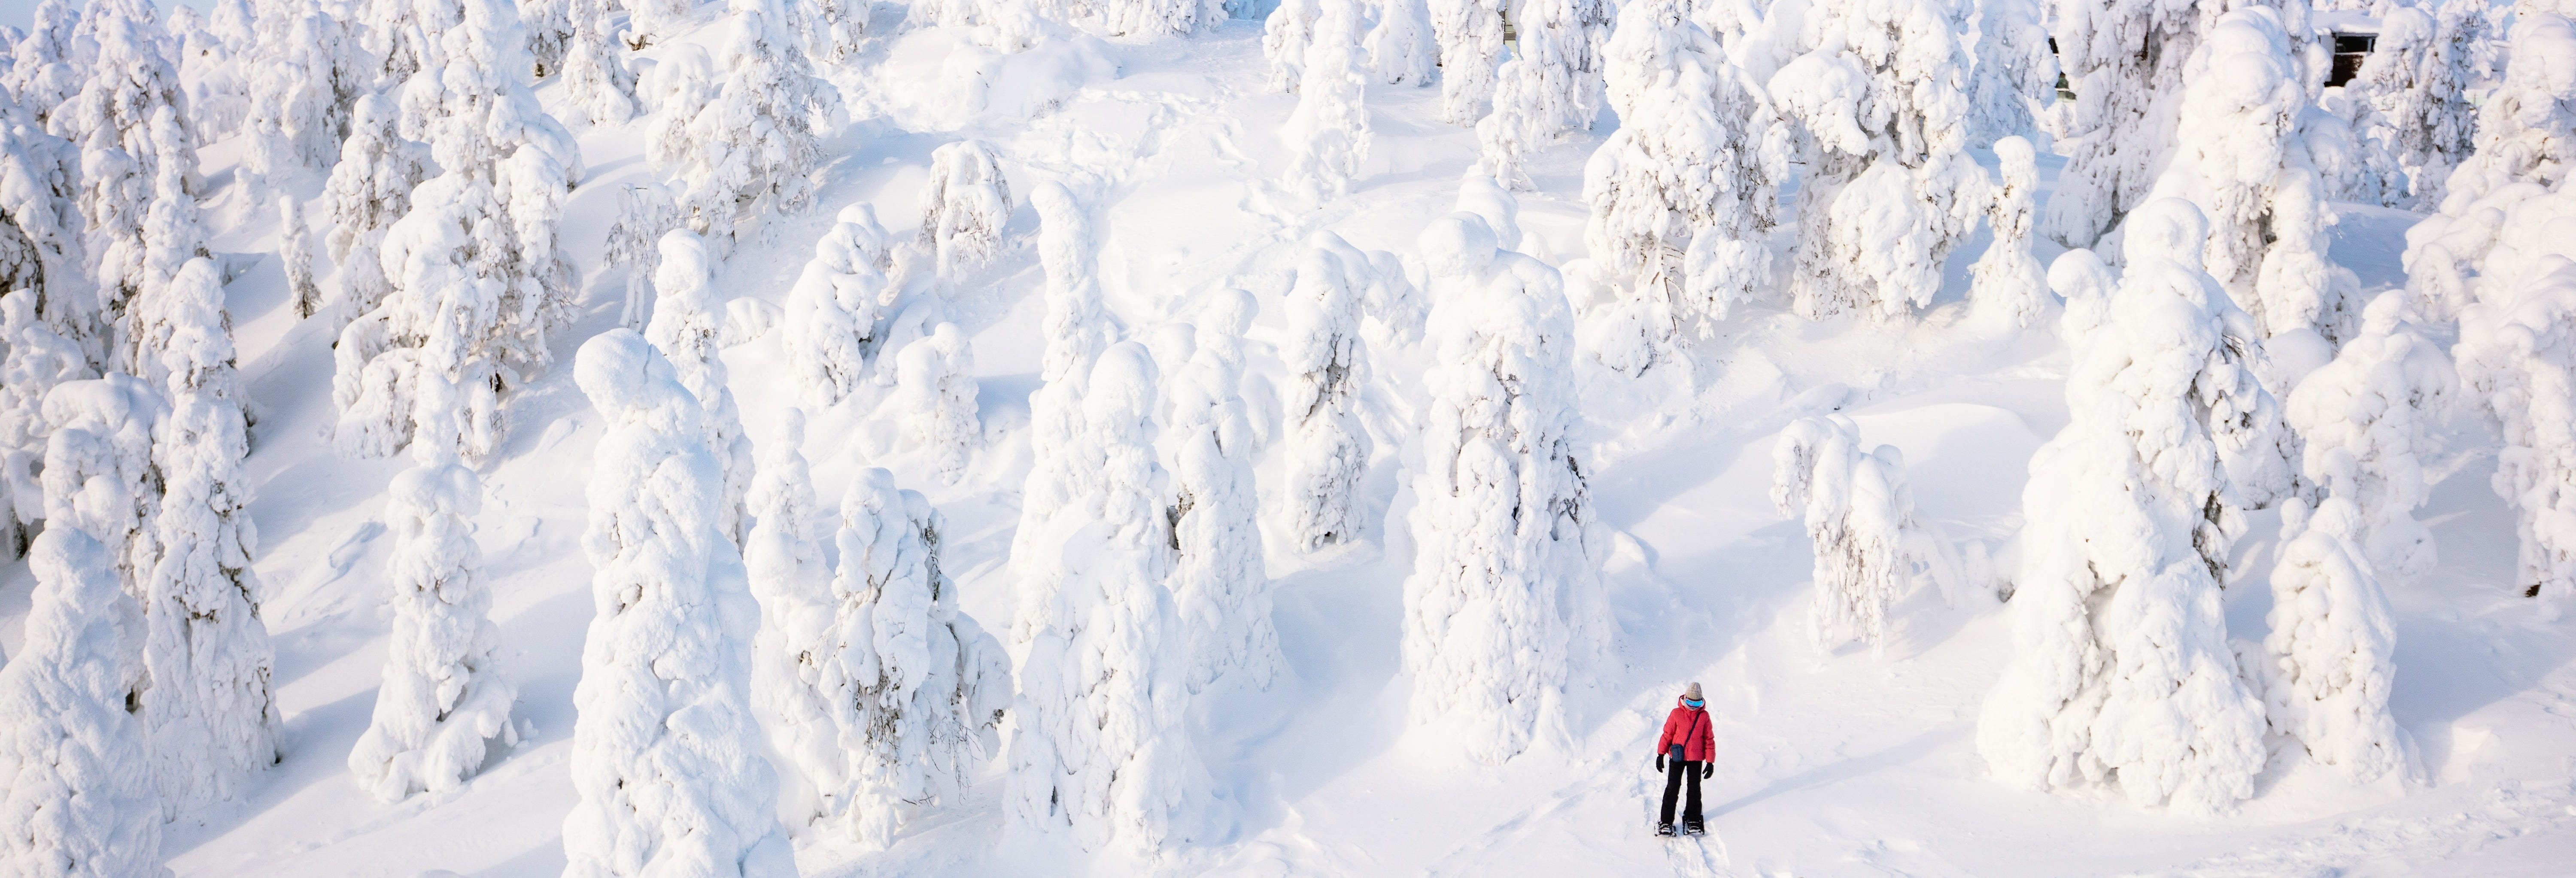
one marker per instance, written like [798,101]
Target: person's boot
[1663,829]
[1695,827]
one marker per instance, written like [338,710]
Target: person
[1683,755]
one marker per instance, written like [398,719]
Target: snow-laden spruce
[1287,34]
[206,704]
[479,287]
[1218,582]
[910,691]
[669,645]
[598,87]
[2121,672]
[2239,156]
[1503,614]
[1101,745]
[1400,49]
[442,697]
[1860,521]
[2124,60]
[76,775]
[2014,82]
[1684,192]
[2517,354]
[368,191]
[295,252]
[39,186]
[1077,327]
[38,360]
[964,206]
[2007,286]
[172,236]
[1882,126]
[935,390]
[109,118]
[99,474]
[1160,18]
[303,80]
[1328,134]
[2526,143]
[833,310]
[688,328]
[2369,421]
[833,29]
[2416,80]
[2332,650]
[1470,38]
[741,144]
[1327,362]
[790,578]
[645,212]
[1552,84]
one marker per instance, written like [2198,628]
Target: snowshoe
[1694,827]
[1665,830]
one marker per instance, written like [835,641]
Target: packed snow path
[1829,763]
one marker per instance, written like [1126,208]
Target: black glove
[1707,768]
[1659,763]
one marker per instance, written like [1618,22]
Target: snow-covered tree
[39,190]
[1882,112]
[688,327]
[38,361]
[599,89]
[1102,745]
[43,70]
[833,29]
[479,288]
[1328,364]
[914,689]
[964,206]
[2124,60]
[2121,670]
[1562,43]
[645,212]
[750,146]
[1328,134]
[1860,521]
[2015,74]
[655,21]
[76,791]
[303,85]
[2517,355]
[2007,284]
[668,646]
[2416,79]
[443,697]
[207,704]
[2239,156]
[368,190]
[99,474]
[112,119]
[550,27]
[792,657]
[295,252]
[935,389]
[1684,192]
[211,65]
[172,237]
[1287,34]
[1470,38]
[1160,18]
[833,310]
[2368,419]
[2332,650]
[1503,614]
[1400,49]
[1218,581]
[1077,328]
[2493,206]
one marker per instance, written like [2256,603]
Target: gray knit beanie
[1692,693]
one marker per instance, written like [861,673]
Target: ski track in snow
[1830,763]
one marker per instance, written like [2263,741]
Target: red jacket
[1689,727]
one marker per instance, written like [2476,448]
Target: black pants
[1676,774]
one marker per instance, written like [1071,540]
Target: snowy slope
[1830,763]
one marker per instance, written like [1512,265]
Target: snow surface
[1830,763]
